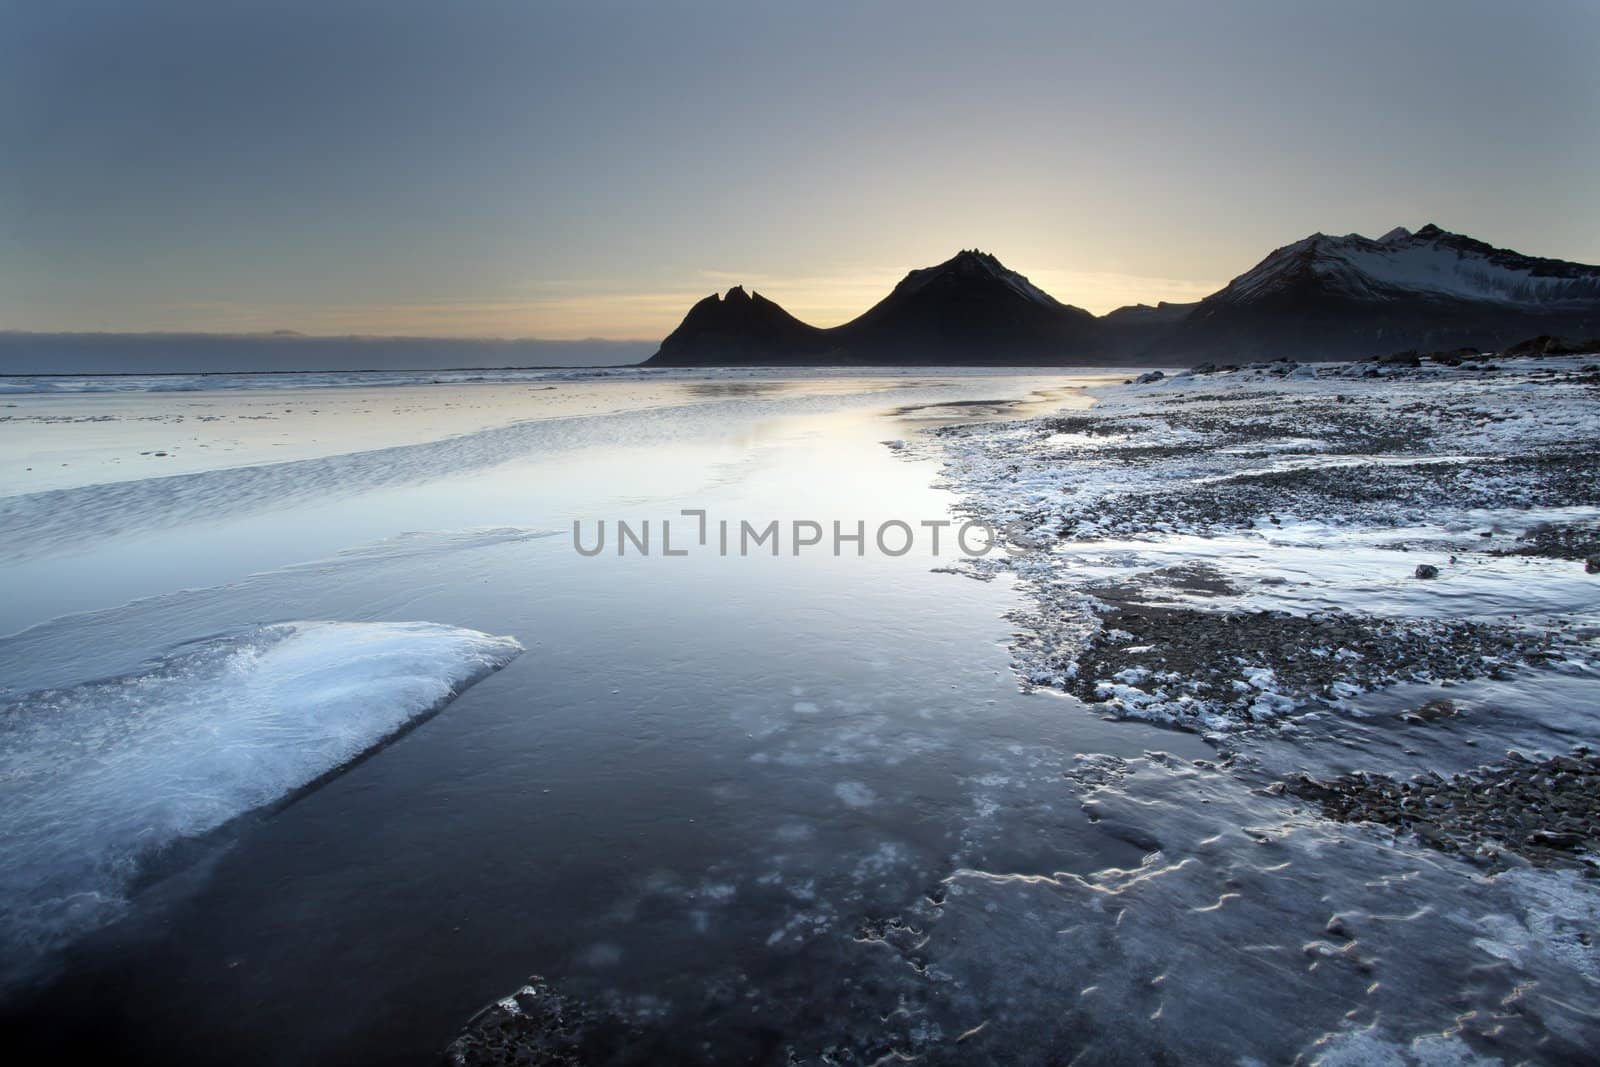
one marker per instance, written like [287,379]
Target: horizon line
[298,335]
[753,284]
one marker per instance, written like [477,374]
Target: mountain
[740,328]
[1135,329]
[1353,297]
[968,309]
[1322,297]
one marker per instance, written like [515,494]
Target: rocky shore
[1255,667]
[537,1027]
[1217,549]
[1540,811]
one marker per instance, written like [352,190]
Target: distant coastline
[36,354]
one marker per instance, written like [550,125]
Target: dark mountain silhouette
[1319,298]
[968,309]
[740,328]
[1133,331]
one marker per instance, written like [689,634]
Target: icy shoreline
[1217,550]
[1260,555]
[1324,571]
[1237,555]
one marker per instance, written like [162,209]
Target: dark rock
[1407,358]
[1537,811]
[539,1027]
[1533,346]
[1432,711]
[1555,839]
[1547,345]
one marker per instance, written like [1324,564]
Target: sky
[590,169]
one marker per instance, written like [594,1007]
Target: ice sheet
[97,779]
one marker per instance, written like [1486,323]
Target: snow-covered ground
[1219,549]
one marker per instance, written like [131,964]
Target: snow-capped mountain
[1354,297]
[1429,263]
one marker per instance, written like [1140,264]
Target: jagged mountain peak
[972,262]
[740,325]
[735,298]
[975,259]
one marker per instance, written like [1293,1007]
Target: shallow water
[735,807]
[703,774]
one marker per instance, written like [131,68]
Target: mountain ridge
[1322,297]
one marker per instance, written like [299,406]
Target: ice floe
[97,780]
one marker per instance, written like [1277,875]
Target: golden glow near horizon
[575,310]
[590,170]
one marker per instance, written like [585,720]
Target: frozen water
[96,780]
[814,811]
[1251,931]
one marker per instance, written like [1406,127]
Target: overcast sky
[588,169]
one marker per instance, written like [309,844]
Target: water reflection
[701,778]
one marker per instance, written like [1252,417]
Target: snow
[98,778]
[1425,268]
[1139,493]
[1311,566]
[1402,262]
